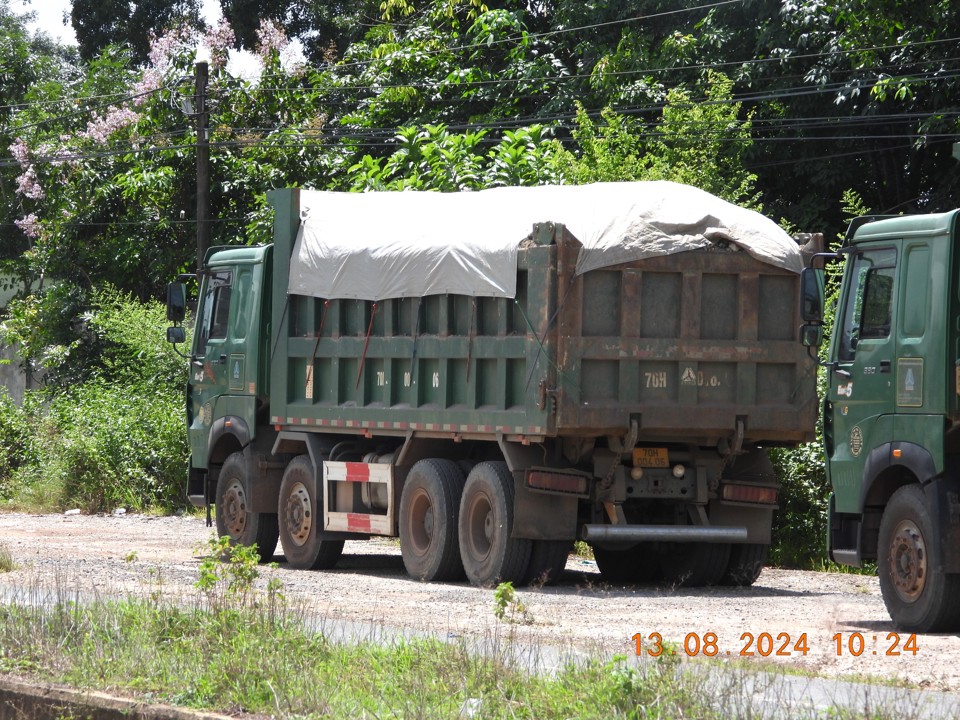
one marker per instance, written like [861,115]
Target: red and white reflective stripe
[359,523]
[533,430]
[357,472]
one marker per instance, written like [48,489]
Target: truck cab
[891,411]
[229,362]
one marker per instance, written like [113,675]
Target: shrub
[16,441]
[800,525]
[116,438]
[116,445]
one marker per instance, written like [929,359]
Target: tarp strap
[366,344]
[316,345]
[416,332]
[471,335]
[282,318]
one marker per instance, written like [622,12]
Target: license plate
[650,457]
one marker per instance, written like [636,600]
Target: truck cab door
[860,400]
[209,369]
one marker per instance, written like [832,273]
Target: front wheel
[919,596]
[234,518]
[301,514]
[488,552]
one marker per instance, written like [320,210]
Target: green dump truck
[891,416]
[491,376]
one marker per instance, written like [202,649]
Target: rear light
[558,482]
[750,494]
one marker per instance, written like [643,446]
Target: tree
[326,29]
[99,23]
[26,63]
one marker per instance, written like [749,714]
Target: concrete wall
[24,700]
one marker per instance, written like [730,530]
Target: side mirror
[176,335]
[810,335]
[811,295]
[176,303]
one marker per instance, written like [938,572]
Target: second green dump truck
[891,416]
[491,376]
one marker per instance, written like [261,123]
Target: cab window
[869,304]
[215,310]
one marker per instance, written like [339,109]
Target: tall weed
[114,439]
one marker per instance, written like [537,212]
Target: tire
[631,565]
[746,562]
[695,564]
[919,596]
[300,513]
[234,520]
[429,515]
[548,558]
[489,554]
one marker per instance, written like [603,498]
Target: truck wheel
[489,554]
[234,519]
[548,558]
[429,513]
[695,564]
[919,596]
[632,565]
[746,562]
[301,513]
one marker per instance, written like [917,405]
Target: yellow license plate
[650,457]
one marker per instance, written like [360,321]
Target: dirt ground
[786,610]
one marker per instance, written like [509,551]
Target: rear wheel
[429,514]
[234,518]
[628,565]
[695,564]
[919,596]
[548,558]
[300,512]
[746,563]
[489,554]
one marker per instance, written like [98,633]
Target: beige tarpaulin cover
[381,245]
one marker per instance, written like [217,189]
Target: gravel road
[136,553]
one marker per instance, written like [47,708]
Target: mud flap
[541,515]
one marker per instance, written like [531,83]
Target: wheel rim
[908,561]
[481,526]
[421,522]
[234,509]
[298,514]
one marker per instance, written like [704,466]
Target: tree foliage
[786,105]
[101,23]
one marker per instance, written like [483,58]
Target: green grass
[7,563]
[257,661]
[236,649]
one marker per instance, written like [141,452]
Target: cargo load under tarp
[378,245]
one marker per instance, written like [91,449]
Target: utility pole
[203,165]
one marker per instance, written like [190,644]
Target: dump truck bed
[692,346]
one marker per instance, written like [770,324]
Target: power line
[550,33]
[84,111]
